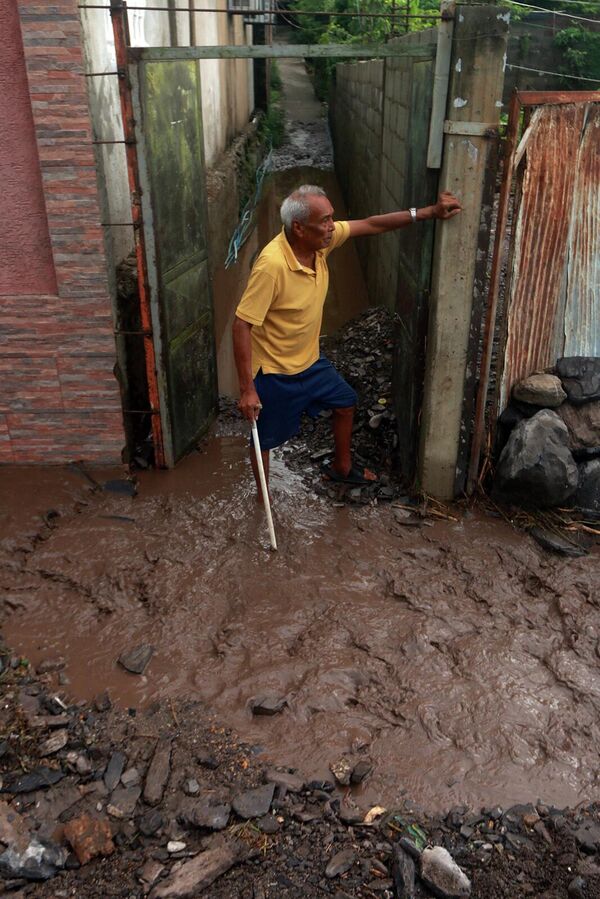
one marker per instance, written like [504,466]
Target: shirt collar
[290,257]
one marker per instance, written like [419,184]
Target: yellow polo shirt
[284,303]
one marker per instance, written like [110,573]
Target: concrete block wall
[60,399]
[372,130]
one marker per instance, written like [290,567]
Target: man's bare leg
[342,439]
[265,458]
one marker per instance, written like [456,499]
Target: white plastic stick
[263,485]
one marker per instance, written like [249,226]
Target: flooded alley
[462,658]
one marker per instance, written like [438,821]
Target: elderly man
[278,321]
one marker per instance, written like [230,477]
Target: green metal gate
[168,130]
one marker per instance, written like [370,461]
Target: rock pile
[166,804]
[550,438]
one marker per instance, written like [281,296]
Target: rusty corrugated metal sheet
[543,235]
[582,314]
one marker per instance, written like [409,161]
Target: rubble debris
[254,803]
[158,773]
[340,863]
[199,873]
[89,837]
[442,875]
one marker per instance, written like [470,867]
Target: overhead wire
[553,12]
[510,65]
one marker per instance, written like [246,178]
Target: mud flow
[459,655]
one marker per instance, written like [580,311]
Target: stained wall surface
[60,398]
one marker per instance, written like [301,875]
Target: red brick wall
[60,399]
[25,255]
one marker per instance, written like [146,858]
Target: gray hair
[296,207]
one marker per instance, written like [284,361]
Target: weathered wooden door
[414,270]
[168,112]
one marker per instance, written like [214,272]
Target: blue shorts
[284,398]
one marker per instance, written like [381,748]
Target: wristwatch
[413,214]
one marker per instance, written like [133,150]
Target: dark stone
[35,780]
[403,873]
[580,376]
[576,889]
[268,824]
[292,782]
[536,467]
[114,769]
[326,785]
[588,491]
[588,837]
[136,660]
[208,813]
[102,702]
[361,771]
[586,453]
[268,704]
[340,863]
[410,847]
[151,822]
[557,544]
[254,803]
[121,486]
[207,760]
[349,814]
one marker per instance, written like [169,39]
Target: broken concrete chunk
[208,814]
[293,783]
[89,837]
[158,773]
[54,743]
[123,802]
[199,873]
[442,875]
[114,770]
[340,863]
[254,803]
[136,660]
[342,771]
[39,861]
[540,390]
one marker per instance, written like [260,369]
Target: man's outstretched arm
[249,404]
[446,207]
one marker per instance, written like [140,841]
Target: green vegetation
[353,30]
[272,126]
[581,55]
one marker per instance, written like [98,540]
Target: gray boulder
[540,390]
[580,377]
[536,467]
[583,423]
[588,491]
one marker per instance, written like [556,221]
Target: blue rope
[246,223]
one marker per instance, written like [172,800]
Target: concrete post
[473,111]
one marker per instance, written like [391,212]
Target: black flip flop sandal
[354,477]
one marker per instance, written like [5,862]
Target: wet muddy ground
[461,658]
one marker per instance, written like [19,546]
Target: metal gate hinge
[470,129]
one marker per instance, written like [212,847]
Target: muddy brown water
[460,655]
